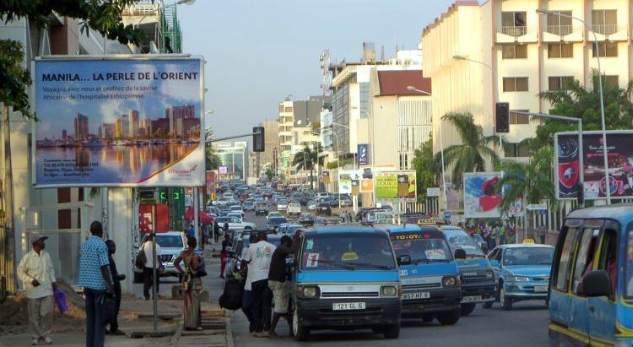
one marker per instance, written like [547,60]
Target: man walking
[226,244]
[216,231]
[277,280]
[258,258]
[38,276]
[116,278]
[148,269]
[94,277]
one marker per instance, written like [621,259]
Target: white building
[504,51]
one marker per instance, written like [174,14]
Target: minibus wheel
[300,332]
[467,308]
[392,332]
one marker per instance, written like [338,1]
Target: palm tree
[307,159]
[471,154]
[531,181]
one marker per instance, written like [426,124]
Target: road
[526,325]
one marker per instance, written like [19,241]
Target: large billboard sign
[567,173]
[480,197]
[120,122]
[345,178]
[395,185]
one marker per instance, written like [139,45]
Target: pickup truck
[235,224]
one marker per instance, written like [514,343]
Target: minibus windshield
[421,249]
[629,266]
[347,252]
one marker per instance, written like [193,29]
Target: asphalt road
[525,325]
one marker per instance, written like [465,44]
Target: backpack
[141,258]
[231,298]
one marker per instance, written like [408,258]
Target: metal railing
[605,29]
[515,31]
[560,30]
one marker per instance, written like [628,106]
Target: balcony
[563,33]
[610,32]
[516,34]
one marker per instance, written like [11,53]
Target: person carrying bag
[192,285]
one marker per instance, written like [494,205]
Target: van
[430,283]
[478,278]
[346,278]
[591,283]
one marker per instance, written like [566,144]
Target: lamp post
[444,201]
[602,119]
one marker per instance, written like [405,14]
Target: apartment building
[504,51]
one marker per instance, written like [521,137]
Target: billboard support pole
[154,271]
[581,173]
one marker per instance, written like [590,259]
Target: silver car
[171,244]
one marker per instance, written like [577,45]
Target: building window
[607,49]
[288,109]
[558,25]
[281,108]
[609,81]
[514,51]
[517,118]
[604,22]
[560,82]
[516,150]
[515,84]
[560,50]
[513,23]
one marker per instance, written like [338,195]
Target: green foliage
[471,154]
[102,16]
[339,163]
[270,173]
[212,160]
[531,180]
[307,158]
[425,168]
[579,102]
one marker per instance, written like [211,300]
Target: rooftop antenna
[326,73]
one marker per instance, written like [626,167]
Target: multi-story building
[81,127]
[133,124]
[504,51]
[175,114]
[271,143]
[235,157]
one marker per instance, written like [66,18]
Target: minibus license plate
[410,296]
[540,289]
[344,306]
[475,298]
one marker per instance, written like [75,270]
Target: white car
[236,223]
[228,196]
[220,202]
[294,208]
[282,204]
[237,209]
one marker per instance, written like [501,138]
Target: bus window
[629,263]
[563,268]
[608,256]
[586,253]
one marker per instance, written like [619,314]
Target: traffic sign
[537,207]
[447,215]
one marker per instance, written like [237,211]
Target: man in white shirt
[258,257]
[148,269]
[247,296]
[38,275]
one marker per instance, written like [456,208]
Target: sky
[258,52]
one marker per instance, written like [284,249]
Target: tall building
[108,131]
[175,113]
[81,127]
[271,143]
[133,124]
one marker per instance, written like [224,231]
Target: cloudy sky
[260,51]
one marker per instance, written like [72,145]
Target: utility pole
[7,256]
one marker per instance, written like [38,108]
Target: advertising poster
[367,185]
[396,185]
[345,178]
[620,152]
[210,183]
[118,122]
[480,199]
[363,154]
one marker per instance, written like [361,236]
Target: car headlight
[490,274]
[518,278]
[389,291]
[449,281]
[308,292]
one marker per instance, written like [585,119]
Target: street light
[414,89]
[604,128]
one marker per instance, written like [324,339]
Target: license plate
[475,298]
[540,289]
[344,306]
[410,296]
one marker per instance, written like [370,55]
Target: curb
[173,341]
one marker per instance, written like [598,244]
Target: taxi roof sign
[430,221]
[528,241]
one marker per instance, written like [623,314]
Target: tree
[425,168]
[307,159]
[574,100]
[212,160]
[270,173]
[471,154]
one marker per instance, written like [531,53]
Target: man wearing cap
[38,275]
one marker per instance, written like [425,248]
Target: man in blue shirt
[94,277]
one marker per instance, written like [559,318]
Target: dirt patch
[14,316]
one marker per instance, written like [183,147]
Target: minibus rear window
[629,262]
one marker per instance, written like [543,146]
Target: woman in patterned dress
[192,285]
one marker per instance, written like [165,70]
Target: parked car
[238,252]
[346,202]
[306,219]
[171,244]
[522,272]
[324,209]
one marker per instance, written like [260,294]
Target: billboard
[345,178]
[395,185]
[480,199]
[119,122]
[210,183]
[363,154]
[620,153]
[367,185]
